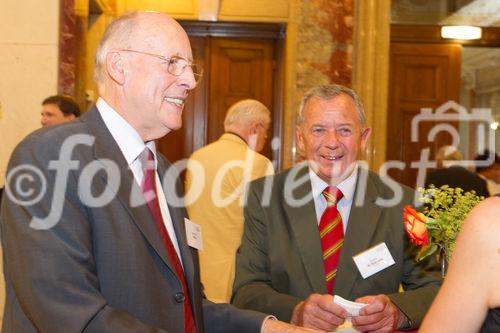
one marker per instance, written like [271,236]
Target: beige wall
[28,67]
[28,63]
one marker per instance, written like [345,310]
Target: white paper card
[352,308]
[193,234]
[373,260]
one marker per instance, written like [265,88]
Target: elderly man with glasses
[102,245]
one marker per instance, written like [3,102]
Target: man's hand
[379,316]
[276,326]
[319,312]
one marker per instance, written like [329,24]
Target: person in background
[104,248]
[469,300]
[490,173]
[59,109]
[451,173]
[304,226]
[225,167]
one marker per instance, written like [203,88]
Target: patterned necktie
[331,232]
[149,189]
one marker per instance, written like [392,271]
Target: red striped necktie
[149,187]
[331,231]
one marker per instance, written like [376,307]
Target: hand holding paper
[319,312]
[352,308]
[379,315]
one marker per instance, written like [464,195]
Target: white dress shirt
[347,186]
[131,146]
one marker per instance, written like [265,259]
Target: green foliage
[446,209]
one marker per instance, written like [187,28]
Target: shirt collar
[128,139]
[231,136]
[347,186]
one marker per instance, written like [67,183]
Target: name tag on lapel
[193,234]
[373,260]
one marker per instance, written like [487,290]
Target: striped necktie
[331,232]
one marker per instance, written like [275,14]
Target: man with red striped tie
[328,227]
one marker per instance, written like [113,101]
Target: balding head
[134,30]
[250,119]
[144,70]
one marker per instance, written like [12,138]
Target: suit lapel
[106,148]
[305,229]
[360,229]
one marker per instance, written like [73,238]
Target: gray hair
[329,91]
[117,35]
[242,113]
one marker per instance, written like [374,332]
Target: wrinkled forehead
[162,35]
[339,106]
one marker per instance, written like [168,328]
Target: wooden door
[235,68]
[240,68]
[421,76]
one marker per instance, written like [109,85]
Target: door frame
[276,31]
[431,34]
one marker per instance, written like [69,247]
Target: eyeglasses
[176,65]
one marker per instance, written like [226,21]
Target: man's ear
[115,67]
[254,127]
[365,134]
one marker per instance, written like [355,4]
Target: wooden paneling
[422,76]
[235,68]
[242,69]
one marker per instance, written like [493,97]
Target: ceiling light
[466,32]
[494,125]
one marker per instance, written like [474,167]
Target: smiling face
[331,137]
[151,99]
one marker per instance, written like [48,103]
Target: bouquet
[435,229]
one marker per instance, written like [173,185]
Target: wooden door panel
[235,68]
[422,76]
[241,69]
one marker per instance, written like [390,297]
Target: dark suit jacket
[280,262]
[458,176]
[100,268]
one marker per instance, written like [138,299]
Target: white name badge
[373,260]
[193,234]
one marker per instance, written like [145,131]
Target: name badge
[193,234]
[373,260]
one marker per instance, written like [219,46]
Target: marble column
[67,48]
[371,71]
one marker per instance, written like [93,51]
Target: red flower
[415,226]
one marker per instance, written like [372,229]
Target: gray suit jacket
[101,268]
[280,262]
